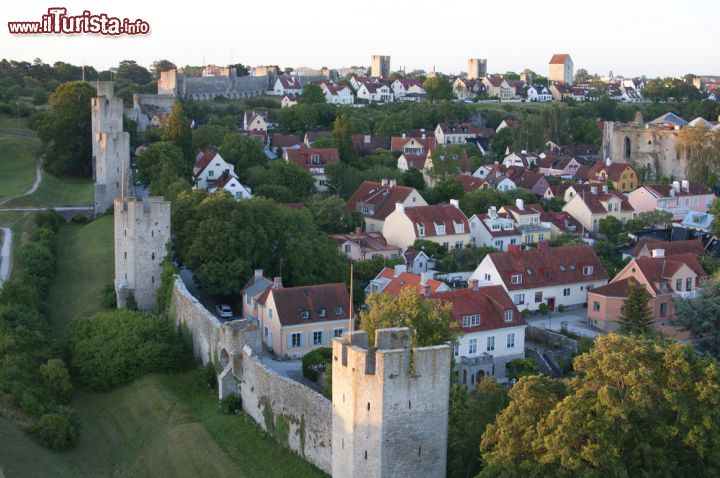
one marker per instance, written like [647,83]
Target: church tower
[390,406]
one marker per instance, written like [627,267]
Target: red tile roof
[466,128]
[595,201]
[303,157]
[489,302]
[405,279]
[415,161]
[671,248]
[285,140]
[470,183]
[615,289]
[548,266]
[291,301]
[428,216]
[663,190]
[559,58]
[613,172]
[368,241]
[398,142]
[224,178]
[562,220]
[204,161]
[660,269]
[367,144]
[382,198]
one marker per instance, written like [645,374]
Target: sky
[645,37]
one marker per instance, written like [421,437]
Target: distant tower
[560,69]
[477,68]
[390,407]
[142,230]
[380,66]
[110,147]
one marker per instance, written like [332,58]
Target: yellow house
[622,175]
[444,224]
[296,320]
[589,208]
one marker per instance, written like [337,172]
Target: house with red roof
[394,280]
[492,331]
[230,183]
[444,224]
[444,162]
[645,247]
[406,144]
[255,121]
[460,133]
[523,159]
[678,198]
[558,166]
[592,203]
[494,230]
[289,100]
[365,246]
[471,183]
[527,179]
[287,84]
[664,278]
[365,144]
[498,88]
[375,201]
[337,94]
[209,166]
[555,276]
[296,320]
[376,92]
[407,86]
[314,161]
[528,220]
[623,176]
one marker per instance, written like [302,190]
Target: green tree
[129,70]
[164,169]
[342,136]
[444,191]
[178,130]
[209,135]
[312,94]
[56,380]
[635,314]
[65,131]
[701,316]
[501,141]
[637,407]
[438,89]
[715,211]
[158,66]
[431,322]
[329,214]
[611,227]
[242,152]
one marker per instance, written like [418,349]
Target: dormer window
[459,228]
[587,270]
[421,231]
[472,320]
[338,311]
[516,279]
[496,227]
[321,312]
[440,229]
[315,159]
[305,314]
[508,315]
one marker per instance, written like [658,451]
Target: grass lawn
[160,425]
[17,164]
[55,191]
[84,267]
[15,221]
[10,123]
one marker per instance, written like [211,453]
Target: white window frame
[297,335]
[508,315]
[516,279]
[587,270]
[491,343]
[511,341]
[317,339]
[472,347]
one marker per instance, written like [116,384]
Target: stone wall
[293,414]
[550,338]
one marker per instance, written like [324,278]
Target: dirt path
[5,249]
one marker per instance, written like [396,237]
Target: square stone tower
[106,117]
[477,68]
[390,406]
[110,149]
[560,69]
[142,230]
[380,66]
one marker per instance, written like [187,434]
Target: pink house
[664,277]
[679,198]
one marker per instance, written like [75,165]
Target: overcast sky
[651,37]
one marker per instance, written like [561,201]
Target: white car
[224,311]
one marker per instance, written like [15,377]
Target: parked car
[224,311]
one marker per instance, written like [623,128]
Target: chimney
[399,269]
[403,136]
[514,250]
[593,189]
[658,253]
[686,185]
[608,162]
[492,212]
[392,183]
[524,151]
[455,203]
[383,182]
[676,185]
[520,203]
[258,275]
[399,207]
[425,278]
[474,284]
[422,135]
[277,283]
[543,246]
[358,231]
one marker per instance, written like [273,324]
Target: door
[551,303]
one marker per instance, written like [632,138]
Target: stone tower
[380,66]
[390,406]
[142,230]
[477,68]
[110,148]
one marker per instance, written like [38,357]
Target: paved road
[5,259]
[575,319]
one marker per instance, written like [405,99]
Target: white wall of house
[494,342]
[207,177]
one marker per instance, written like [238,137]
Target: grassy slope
[54,191]
[160,425]
[17,164]
[10,123]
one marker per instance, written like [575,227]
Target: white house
[289,100]
[407,86]
[375,92]
[416,261]
[208,168]
[287,85]
[338,94]
[230,183]
[255,121]
[539,94]
[522,159]
[493,230]
[555,276]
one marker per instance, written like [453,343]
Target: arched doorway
[224,358]
[627,148]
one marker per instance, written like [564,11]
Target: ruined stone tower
[390,406]
[142,230]
[110,148]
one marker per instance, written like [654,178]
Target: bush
[131,303]
[327,383]
[231,404]
[58,431]
[79,219]
[525,313]
[314,362]
[208,376]
[109,298]
[115,347]
[543,308]
[561,308]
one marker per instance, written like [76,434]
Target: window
[516,279]
[456,350]
[315,159]
[459,228]
[248,299]
[566,291]
[496,227]
[688,284]
[211,173]
[471,320]
[440,229]
[304,314]
[508,315]
[499,244]
[663,309]
[519,299]
[266,331]
[511,341]
[678,285]
[596,306]
[338,311]
[587,270]
[538,297]
[541,237]
[562,268]
[458,244]
[337,332]
[421,231]
[347,248]
[295,340]
[487,277]
[270,313]
[513,241]
[490,344]
[472,346]
[318,337]
[321,312]
[446,245]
